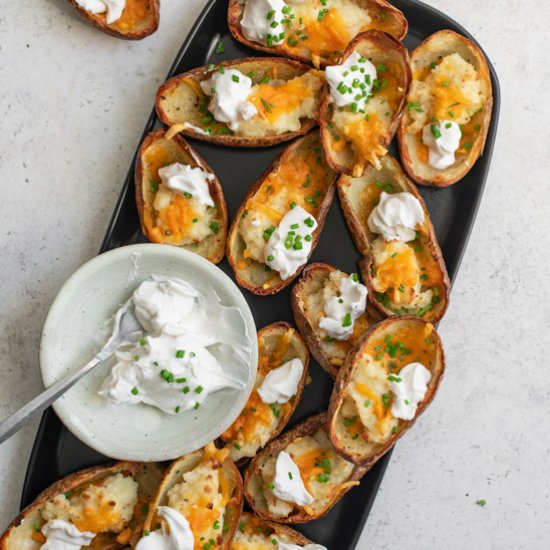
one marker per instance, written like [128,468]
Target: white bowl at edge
[75,329]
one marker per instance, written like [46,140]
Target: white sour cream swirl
[281,384]
[62,535]
[114,8]
[396,217]
[410,390]
[288,484]
[258,17]
[443,139]
[184,179]
[178,536]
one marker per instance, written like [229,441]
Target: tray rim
[49,415]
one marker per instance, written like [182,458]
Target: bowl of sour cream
[179,384]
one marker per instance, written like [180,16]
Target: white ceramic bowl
[75,329]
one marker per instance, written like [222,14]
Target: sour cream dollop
[114,8]
[184,179]
[396,217]
[343,310]
[229,92]
[289,246]
[178,536]
[173,366]
[352,81]
[288,484]
[281,384]
[443,139]
[289,546]
[62,535]
[410,390]
[258,17]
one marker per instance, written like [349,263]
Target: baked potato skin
[213,247]
[244,277]
[379,47]
[297,348]
[313,273]
[64,485]
[260,66]
[233,508]
[442,43]
[137,32]
[393,22]
[307,427]
[343,380]
[391,169]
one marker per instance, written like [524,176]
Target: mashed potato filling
[102,507]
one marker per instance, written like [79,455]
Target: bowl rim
[208,271]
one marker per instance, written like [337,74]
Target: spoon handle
[17,420]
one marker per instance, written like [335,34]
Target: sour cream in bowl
[184,381]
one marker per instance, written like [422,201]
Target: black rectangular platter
[57,452]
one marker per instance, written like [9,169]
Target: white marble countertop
[73,104]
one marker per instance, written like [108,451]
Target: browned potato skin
[285,156]
[307,427]
[187,462]
[380,43]
[236,10]
[303,321]
[277,330]
[344,377]
[64,485]
[361,239]
[282,531]
[413,166]
[262,65]
[213,251]
[98,21]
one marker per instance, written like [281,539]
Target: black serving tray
[57,452]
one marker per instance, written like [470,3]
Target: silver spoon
[126,330]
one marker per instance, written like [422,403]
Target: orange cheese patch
[397,270]
[98,519]
[134,13]
[367,137]
[327,37]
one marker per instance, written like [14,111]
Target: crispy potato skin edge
[307,427]
[285,156]
[234,16]
[344,377]
[66,484]
[362,242]
[215,187]
[231,140]
[382,41]
[154,6]
[477,150]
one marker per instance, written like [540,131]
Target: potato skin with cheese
[304,299]
[21,530]
[253,485]
[429,52]
[181,103]
[381,49]
[214,460]
[253,275]
[357,197]
[253,531]
[145,24]
[156,151]
[347,433]
[384,17]
[277,344]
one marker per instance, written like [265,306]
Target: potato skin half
[394,20]
[360,234]
[277,284]
[380,47]
[343,380]
[286,69]
[303,321]
[275,331]
[98,21]
[212,247]
[69,483]
[438,44]
[307,427]
[186,463]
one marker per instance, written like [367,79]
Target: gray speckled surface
[73,103]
